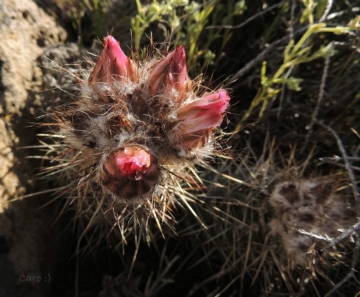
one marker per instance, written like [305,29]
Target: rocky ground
[28,244]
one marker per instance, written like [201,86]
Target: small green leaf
[294,83]
[322,52]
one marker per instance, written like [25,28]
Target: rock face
[24,30]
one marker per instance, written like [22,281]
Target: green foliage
[196,24]
[295,53]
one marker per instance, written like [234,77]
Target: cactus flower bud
[197,119]
[170,73]
[112,63]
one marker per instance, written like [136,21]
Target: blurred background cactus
[278,212]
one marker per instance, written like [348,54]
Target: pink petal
[130,172]
[128,161]
[216,102]
[200,117]
[112,63]
[200,122]
[121,63]
[170,73]
[132,160]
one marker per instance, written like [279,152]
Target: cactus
[133,135]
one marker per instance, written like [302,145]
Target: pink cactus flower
[130,171]
[130,161]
